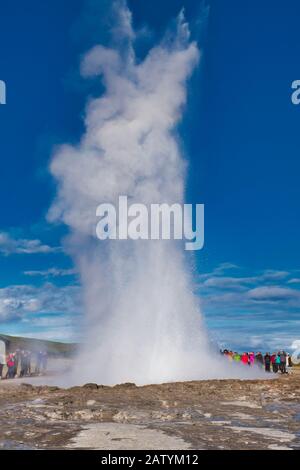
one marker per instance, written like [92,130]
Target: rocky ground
[216,414]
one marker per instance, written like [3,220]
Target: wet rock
[227,414]
[91,402]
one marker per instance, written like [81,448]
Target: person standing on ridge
[259,359]
[251,358]
[282,356]
[273,362]
[245,358]
[2,363]
[267,360]
[236,357]
[10,366]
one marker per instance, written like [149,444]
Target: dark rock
[126,385]
[90,386]
[28,386]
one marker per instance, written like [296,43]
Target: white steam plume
[143,321]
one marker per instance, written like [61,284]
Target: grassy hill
[54,348]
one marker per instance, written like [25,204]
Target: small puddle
[8,444]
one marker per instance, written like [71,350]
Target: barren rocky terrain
[216,414]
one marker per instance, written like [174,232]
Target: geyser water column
[143,321]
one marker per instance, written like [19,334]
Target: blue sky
[240,135]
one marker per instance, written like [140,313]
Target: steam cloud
[143,321]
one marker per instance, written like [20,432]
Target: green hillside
[54,348]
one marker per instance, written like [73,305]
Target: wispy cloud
[273,294]
[19,301]
[260,310]
[223,282]
[218,278]
[219,270]
[294,280]
[51,272]
[273,275]
[10,245]
[268,286]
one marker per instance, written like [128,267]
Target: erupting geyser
[143,321]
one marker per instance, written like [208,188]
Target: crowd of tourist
[23,363]
[276,362]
